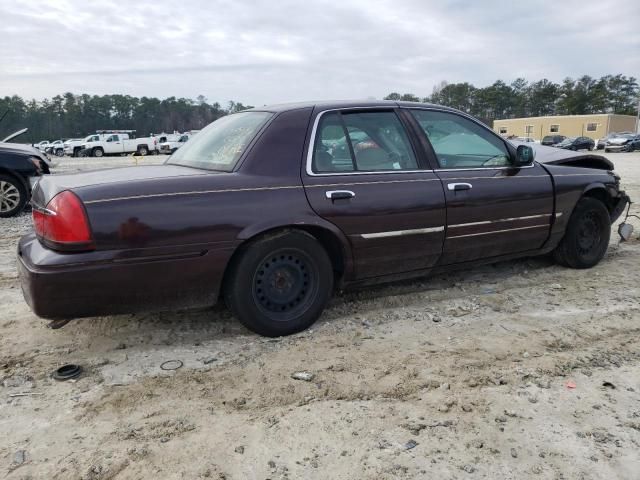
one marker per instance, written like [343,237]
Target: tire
[13,196]
[97,152]
[587,236]
[76,152]
[59,152]
[279,284]
[143,151]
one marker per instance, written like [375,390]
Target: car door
[493,208]
[364,174]
[112,144]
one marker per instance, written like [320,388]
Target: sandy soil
[464,375]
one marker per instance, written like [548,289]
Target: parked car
[552,140]
[117,144]
[576,143]
[42,145]
[21,166]
[83,147]
[265,209]
[525,139]
[602,141]
[55,148]
[170,147]
[624,142]
[73,146]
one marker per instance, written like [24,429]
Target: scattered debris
[67,372]
[171,365]
[410,444]
[239,449]
[415,428]
[20,457]
[571,384]
[468,468]
[609,385]
[24,394]
[304,376]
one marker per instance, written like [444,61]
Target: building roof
[566,116]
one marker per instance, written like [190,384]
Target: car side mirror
[524,156]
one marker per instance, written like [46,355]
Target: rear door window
[362,142]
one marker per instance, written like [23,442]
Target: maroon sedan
[275,207]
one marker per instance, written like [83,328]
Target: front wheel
[98,152]
[587,235]
[280,283]
[13,196]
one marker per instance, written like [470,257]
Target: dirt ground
[517,370]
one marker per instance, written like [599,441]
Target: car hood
[557,156]
[26,150]
[112,182]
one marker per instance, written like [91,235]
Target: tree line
[69,115]
[75,116]
[584,95]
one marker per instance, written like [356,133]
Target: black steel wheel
[587,235]
[284,284]
[279,284]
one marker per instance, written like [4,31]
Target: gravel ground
[521,369]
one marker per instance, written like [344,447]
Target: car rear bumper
[58,286]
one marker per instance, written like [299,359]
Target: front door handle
[339,194]
[456,187]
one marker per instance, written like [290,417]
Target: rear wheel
[280,284]
[143,151]
[13,196]
[587,236]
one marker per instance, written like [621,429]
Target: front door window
[461,143]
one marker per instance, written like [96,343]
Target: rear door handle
[339,194]
[456,187]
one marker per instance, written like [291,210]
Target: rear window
[221,144]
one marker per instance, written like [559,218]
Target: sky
[260,52]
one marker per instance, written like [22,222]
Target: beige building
[594,126]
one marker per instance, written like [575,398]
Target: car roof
[337,104]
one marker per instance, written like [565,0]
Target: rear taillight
[63,223]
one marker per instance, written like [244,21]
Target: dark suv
[551,140]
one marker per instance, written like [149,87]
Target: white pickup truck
[74,148]
[119,143]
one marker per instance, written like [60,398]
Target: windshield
[222,143]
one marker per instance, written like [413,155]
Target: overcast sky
[270,51]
